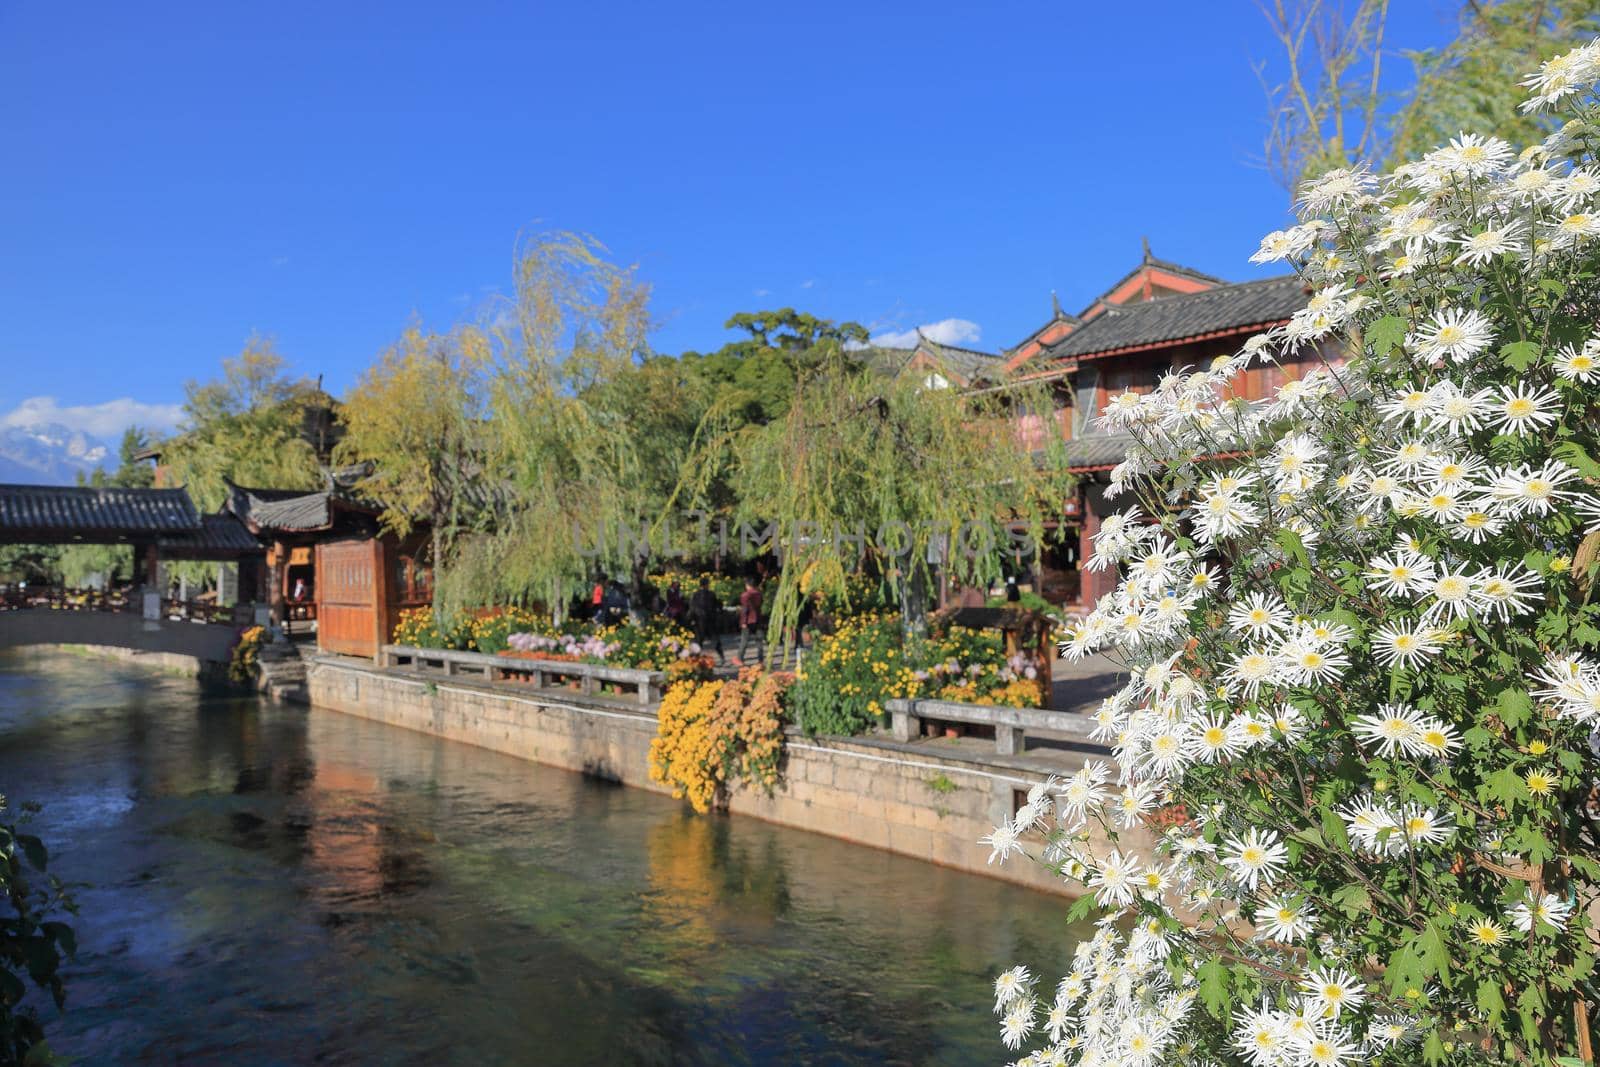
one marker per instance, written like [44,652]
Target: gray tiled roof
[969,363]
[89,512]
[281,509]
[1173,318]
[1098,450]
[221,536]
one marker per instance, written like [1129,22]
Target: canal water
[271,885]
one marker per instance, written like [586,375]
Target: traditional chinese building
[332,568]
[1157,318]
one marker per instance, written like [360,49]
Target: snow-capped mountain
[50,454]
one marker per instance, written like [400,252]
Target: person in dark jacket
[614,606]
[749,614]
[705,615]
[676,607]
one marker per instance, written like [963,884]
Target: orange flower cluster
[713,733]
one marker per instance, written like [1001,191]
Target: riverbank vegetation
[34,942]
[1364,653]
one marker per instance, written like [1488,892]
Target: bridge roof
[221,536]
[67,514]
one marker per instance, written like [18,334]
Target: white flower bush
[1363,634]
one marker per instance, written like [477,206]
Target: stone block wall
[871,792]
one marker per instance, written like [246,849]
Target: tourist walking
[705,615]
[676,607]
[749,614]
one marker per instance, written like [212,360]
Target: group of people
[701,611]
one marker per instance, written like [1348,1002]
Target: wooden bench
[545,673]
[1010,724]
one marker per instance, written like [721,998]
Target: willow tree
[1334,101]
[567,430]
[868,465]
[415,419]
[246,427]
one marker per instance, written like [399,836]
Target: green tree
[566,403]
[913,469]
[246,427]
[78,564]
[416,418]
[1333,103]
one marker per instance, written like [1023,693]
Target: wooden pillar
[1088,581]
[277,557]
[152,568]
[382,594]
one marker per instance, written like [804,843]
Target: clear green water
[264,885]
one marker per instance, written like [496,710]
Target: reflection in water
[268,885]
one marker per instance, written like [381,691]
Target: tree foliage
[1334,101]
[862,454]
[416,421]
[562,354]
[246,427]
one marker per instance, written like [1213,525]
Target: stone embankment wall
[879,793]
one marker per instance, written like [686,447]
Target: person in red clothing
[749,614]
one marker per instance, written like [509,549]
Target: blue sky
[178,176]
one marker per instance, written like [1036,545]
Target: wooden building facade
[332,569]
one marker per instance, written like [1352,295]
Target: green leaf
[34,849]
[1572,453]
[1353,899]
[1213,979]
[1081,909]
[1293,547]
[1490,1001]
[1520,355]
[1514,707]
[1386,334]
[1433,955]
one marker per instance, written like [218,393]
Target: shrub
[852,672]
[712,734]
[849,674]
[419,628]
[33,943]
[244,660]
[1363,649]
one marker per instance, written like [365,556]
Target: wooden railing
[1010,724]
[65,600]
[122,601]
[589,678]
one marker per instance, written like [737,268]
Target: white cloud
[106,421]
[944,332]
[763,292]
[808,283]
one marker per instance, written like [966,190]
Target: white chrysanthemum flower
[1400,573]
[1400,644]
[1333,991]
[1392,730]
[1577,364]
[1479,248]
[1115,880]
[1454,333]
[1523,409]
[1286,919]
[1255,857]
[1010,985]
[1547,910]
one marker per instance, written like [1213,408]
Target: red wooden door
[348,616]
